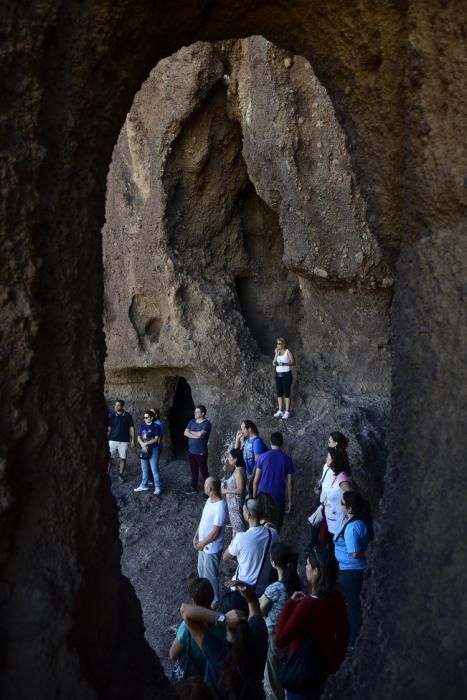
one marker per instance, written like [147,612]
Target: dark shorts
[283,384]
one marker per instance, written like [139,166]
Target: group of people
[270,635]
[148,439]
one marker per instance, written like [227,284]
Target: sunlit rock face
[233,216]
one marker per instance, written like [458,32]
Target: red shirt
[322,619]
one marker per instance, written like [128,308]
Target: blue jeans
[208,567]
[351,581]
[152,462]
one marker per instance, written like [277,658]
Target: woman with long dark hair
[314,625]
[272,602]
[334,480]
[233,489]
[234,666]
[351,543]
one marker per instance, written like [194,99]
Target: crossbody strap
[320,482]
[265,554]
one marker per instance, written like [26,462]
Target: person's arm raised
[250,596]
[196,619]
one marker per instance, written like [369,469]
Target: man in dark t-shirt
[197,432]
[120,433]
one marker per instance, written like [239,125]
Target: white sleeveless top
[280,369]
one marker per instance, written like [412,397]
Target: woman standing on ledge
[283,362]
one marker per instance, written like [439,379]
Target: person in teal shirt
[202,594]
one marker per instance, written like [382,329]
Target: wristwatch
[220,618]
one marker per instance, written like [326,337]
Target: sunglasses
[146,417]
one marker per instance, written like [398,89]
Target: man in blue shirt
[197,432]
[253,445]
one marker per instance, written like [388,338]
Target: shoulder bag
[144,454]
[303,671]
[265,556]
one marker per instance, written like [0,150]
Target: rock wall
[233,216]
[395,74]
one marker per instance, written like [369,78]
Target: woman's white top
[331,495]
[281,368]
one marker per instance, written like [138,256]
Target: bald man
[208,539]
[251,549]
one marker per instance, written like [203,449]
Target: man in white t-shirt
[208,539]
[251,549]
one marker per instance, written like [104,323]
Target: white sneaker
[285,415]
[278,414]
[157,492]
[141,488]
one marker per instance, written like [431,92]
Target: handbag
[303,672]
[144,454]
[317,517]
[314,519]
[183,666]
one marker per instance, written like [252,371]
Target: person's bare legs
[287,403]
[122,467]
[280,410]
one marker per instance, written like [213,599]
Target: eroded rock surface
[233,216]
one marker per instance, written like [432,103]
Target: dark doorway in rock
[180,413]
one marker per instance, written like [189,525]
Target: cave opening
[230,242]
[382,63]
[180,412]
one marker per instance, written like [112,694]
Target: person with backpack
[350,545]
[314,628]
[251,549]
